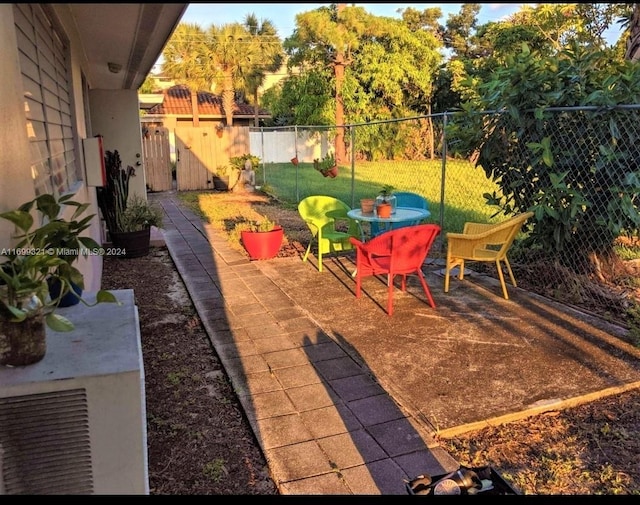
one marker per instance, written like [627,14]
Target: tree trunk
[633,43]
[338,67]
[228,93]
[339,142]
[256,121]
[194,109]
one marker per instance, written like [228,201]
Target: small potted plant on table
[385,202]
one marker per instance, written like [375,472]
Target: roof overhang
[131,36]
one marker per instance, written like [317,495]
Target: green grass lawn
[463,200]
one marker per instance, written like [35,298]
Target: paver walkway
[324,423]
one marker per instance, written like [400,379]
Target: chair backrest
[502,235]
[314,208]
[408,247]
[409,199]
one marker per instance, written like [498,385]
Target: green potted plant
[261,239]
[133,238]
[221,178]
[327,166]
[385,204]
[129,219]
[26,271]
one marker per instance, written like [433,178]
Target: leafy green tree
[329,36]
[302,99]
[574,169]
[230,57]
[390,71]
[148,86]
[269,56]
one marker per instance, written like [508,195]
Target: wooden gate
[157,159]
[202,151]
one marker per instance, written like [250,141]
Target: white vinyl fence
[280,145]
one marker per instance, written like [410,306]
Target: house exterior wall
[16,183]
[113,114]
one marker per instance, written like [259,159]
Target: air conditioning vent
[44,443]
[75,422]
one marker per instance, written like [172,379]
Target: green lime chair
[330,226]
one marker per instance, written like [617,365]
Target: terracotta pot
[262,245]
[384,210]
[366,205]
[294,160]
[332,172]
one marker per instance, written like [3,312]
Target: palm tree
[185,60]
[269,52]
[633,42]
[232,53]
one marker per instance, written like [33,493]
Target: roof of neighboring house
[177,101]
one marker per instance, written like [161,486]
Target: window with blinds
[45,68]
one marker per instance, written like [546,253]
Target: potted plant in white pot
[27,270]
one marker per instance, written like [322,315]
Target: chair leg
[358,279]
[427,291]
[513,279]
[500,274]
[451,264]
[390,294]
[461,273]
[306,254]
[319,251]
[447,268]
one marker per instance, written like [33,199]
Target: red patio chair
[395,252]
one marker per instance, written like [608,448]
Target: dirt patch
[199,440]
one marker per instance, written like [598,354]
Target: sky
[282,15]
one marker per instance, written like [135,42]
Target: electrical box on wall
[94,161]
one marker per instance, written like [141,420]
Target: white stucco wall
[112,110]
[115,116]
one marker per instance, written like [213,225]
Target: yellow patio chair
[322,214]
[483,242]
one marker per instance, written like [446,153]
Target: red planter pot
[262,245]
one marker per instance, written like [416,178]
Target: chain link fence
[580,217]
